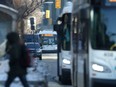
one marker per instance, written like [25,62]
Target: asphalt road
[51,60]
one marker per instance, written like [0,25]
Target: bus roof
[75,6]
[67,8]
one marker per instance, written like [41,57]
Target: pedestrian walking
[13,49]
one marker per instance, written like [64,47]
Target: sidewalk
[37,75]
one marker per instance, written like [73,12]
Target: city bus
[48,41]
[93,43]
[63,28]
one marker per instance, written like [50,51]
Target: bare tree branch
[25,7]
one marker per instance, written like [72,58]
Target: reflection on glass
[66,33]
[33,45]
[49,40]
[103,34]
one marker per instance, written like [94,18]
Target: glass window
[49,40]
[33,45]
[5,25]
[66,33]
[103,34]
[31,38]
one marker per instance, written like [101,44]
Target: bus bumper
[49,51]
[66,73]
[103,82]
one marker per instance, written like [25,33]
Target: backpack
[26,59]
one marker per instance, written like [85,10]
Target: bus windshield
[49,40]
[103,35]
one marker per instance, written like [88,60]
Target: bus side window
[83,35]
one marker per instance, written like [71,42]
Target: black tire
[59,78]
[40,57]
[63,80]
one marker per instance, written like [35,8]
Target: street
[51,60]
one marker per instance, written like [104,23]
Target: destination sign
[112,0]
[47,34]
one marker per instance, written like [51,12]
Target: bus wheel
[63,80]
[40,57]
[59,78]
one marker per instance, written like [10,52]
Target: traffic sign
[58,4]
[47,13]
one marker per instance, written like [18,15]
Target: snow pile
[39,71]
[4,67]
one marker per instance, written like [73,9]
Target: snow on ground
[37,73]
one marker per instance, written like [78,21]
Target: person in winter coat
[13,48]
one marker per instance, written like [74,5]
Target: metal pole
[57,13]
[34,42]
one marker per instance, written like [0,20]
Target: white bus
[93,41]
[64,53]
[48,40]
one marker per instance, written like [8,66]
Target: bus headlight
[97,67]
[100,68]
[55,48]
[66,61]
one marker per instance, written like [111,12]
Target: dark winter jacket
[15,57]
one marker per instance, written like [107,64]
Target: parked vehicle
[32,38]
[35,48]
